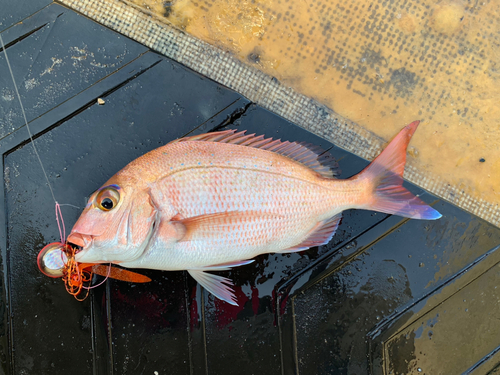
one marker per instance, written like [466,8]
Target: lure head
[116,224]
[57,260]
[52,260]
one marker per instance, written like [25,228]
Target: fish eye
[107,199]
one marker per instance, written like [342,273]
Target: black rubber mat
[386,296]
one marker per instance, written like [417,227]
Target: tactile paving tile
[387,63]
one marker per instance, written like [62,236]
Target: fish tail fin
[386,172]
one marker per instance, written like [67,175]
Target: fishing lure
[57,260]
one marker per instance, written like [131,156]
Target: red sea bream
[215,201]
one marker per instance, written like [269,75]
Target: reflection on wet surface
[366,308]
[466,315]
[333,313]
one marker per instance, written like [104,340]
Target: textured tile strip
[263,90]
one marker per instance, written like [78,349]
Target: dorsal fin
[309,155]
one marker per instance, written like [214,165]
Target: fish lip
[80,240]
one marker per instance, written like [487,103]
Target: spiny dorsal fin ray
[309,155]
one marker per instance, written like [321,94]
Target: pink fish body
[215,201]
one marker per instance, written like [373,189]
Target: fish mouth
[83,242]
[80,240]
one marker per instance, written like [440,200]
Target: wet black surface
[55,55]
[386,296]
[82,151]
[16,11]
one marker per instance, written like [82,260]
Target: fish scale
[214,201]
[227,190]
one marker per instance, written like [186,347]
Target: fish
[215,201]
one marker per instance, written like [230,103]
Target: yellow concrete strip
[381,65]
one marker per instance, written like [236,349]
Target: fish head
[115,225]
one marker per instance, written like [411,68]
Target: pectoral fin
[219,286]
[212,225]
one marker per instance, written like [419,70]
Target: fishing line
[102,282]
[59,216]
[62,231]
[25,119]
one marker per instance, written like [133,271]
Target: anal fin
[321,234]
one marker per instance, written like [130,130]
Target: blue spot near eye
[110,186]
[171,167]
[199,163]
[182,163]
